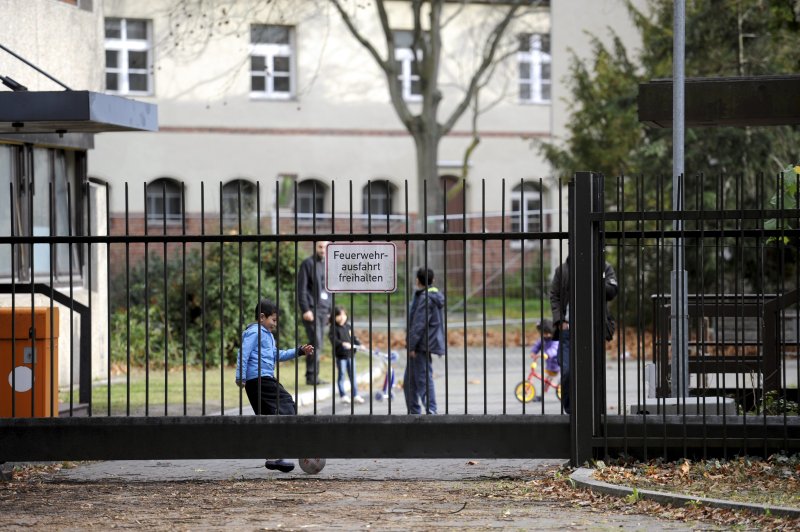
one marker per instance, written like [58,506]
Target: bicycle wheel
[525,392]
[558,391]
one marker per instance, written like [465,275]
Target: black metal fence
[741,241]
[168,298]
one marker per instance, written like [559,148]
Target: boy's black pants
[274,398]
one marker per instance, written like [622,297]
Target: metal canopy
[735,101]
[73,111]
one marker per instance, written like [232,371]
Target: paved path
[380,494]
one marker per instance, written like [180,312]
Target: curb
[583,478]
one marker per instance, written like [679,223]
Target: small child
[255,370]
[549,347]
[344,342]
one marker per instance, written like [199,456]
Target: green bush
[208,303]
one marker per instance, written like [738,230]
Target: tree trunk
[430,198]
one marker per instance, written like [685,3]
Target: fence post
[586,311]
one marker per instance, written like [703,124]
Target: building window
[534,68]
[238,196]
[526,210]
[311,197]
[408,62]
[164,201]
[376,198]
[47,200]
[128,56]
[271,61]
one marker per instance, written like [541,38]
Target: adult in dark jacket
[425,338]
[559,305]
[315,307]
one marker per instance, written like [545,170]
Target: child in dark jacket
[425,337]
[345,343]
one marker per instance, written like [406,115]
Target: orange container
[33,369]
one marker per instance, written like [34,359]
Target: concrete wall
[62,39]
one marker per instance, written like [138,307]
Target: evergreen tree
[723,38]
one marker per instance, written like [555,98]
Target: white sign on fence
[361,267]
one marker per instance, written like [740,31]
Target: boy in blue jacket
[255,370]
[425,338]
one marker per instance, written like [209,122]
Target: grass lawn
[147,396]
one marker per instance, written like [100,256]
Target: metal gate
[180,288]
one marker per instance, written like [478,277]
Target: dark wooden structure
[730,101]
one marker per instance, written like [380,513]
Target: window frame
[32,169]
[525,220]
[269,51]
[535,57]
[319,195]
[123,45]
[165,195]
[368,196]
[404,56]
[230,217]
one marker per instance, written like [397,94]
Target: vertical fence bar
[621,310]
[183,285]
[522,289]
[583,306]
[720,280]
[51,203]
[203,292]
[406,292]
[128,304]
[542,290]
[53,366]
[14,264]
[426,354]
[240,313]
[389,380]
[503,286]
[483,291]
[702,377]
[166,301]
[444,277]
[32,273]
[88,261]
[740,303]
[466,301]
[641,352]
[108,305]
[221,308]
[146,310]
[297,304]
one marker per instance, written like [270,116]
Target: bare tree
[425,126]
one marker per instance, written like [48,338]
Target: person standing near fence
[315,307]
[255,370]
[559,305]
[424,339]
[344,343]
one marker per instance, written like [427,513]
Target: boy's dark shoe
[281,465]
[318,382]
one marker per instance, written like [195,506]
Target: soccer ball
[312,466]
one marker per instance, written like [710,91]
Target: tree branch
[488,59]
[359,37]
[388,66]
